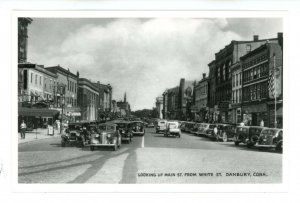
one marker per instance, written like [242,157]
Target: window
[240,78]
[258,91]
[35,79]
[237,79]
[248,48]
[224,73]
[75,87]
[233,80]
[240,95]
[31,77]
[233,97]
[40,80]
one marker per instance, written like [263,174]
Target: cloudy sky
[140,56]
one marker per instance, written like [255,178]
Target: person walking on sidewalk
[23,129]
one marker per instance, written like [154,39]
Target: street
[149,159]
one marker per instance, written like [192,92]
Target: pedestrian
[23,129]
[262,123]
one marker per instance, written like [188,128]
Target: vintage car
[138,128]
[150,124]
[247,135]
[106,134]
[125,130]
[189,126]
[182,126]
[271,137]
[195,128]
[226,132]
[202,129]
[173,129]
[161,126]
[76,133]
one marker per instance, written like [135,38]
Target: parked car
[182,126]
[271,137]
[247,135]
[150,124]
[226,132]
[189,126]
[173,129]
[75,133]
[161,126]
[195,128]
[206,129]
[138,128]
[106,134]
[125,130]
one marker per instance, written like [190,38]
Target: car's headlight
[108,135]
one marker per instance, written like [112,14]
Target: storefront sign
[223,105]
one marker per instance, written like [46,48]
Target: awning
[38,112]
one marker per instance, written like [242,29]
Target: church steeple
[125,97]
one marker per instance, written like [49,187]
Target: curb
[34,140]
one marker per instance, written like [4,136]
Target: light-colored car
[271,137]
[161,126]
[173,129]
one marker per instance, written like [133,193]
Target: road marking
[143,141]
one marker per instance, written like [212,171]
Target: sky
[140,56]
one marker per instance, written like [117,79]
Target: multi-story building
[165,104]
[35,83]
[185,97]
[262,76]
[213,108]
[66,88]
[201,95]
[159,106]
[224,59]
[88,99]
[105,97]
[23,38]
[172,103]
[236,99]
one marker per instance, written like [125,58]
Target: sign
[50,130]
[223,105]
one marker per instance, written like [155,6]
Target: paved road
[149,159]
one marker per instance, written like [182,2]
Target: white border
[189,188]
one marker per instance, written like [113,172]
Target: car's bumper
[126,138]
[138,133]
[104,145]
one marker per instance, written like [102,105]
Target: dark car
[106,134]
[195,128]
[226,132]
[76,133]
[189,126]
[125,130]
[247,134]
[138,128]
[271,137]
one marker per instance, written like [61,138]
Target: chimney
[204,75]
[255,38]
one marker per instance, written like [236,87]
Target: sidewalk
[35,135]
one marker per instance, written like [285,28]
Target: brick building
[201,96]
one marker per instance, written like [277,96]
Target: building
[201,96]
[185,97]
[36,95]
[224,59]
[262,76]
[66,88]
[172,103]
[35,84]
[124,107]
[23,38]
[159,107]
[88,99]
[165,104]
[236,99]
[213,111]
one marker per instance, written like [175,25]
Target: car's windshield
[172,125]
[121,125]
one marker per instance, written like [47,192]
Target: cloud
[141,57]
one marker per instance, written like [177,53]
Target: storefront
[37,117]
[255,113]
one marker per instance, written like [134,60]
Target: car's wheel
[278,147]
[92,148]
[224,137]
[250,144]
[236,143]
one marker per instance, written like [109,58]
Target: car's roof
[278,129]
[111,124]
